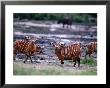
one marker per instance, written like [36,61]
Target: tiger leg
[14,56]
[74,63]
[26,57]
[78,60]
[62,62]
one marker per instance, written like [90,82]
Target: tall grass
[90,61]
[21,70]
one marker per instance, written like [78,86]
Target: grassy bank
[46,70]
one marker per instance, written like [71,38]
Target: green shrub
[90,61]
[76,17]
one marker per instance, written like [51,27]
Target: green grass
[90,61]
[21,70]
[87,73]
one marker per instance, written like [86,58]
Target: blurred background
[83,26]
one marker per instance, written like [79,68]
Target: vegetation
[24,70]
[76,17]
[90,61]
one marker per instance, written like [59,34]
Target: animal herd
[62,51]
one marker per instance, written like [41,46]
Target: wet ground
[47,32]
